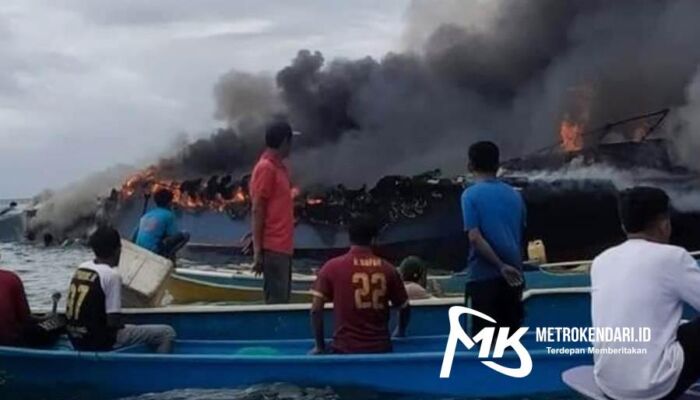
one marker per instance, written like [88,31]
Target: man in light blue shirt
[157,231]
[494,220]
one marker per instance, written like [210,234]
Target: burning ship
[575,217]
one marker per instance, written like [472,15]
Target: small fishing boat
[413,368]
[543,307]
[188,285]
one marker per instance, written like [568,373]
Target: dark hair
[363,229]
[641,206]
[163,197]
[105,242]
[276,133]
[412,269]
[484,157]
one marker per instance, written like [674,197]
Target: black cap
[276,133]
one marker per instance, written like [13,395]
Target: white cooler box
[144,275]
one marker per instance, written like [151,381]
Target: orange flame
[571,135]
[147,181]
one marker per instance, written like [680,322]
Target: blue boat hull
[566,307]
[413,368]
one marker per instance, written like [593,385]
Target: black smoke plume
[508,71]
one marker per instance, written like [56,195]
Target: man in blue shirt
[494,220]
[158,230]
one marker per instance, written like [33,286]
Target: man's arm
[481,245]
[399,299]
[259,212]
[317,325]
[404,319]
[687,280]
[112,287]
[261,188]
[171,228]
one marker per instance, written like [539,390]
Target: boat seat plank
[580,379]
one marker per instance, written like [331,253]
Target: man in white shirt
[643,283]
[93,307]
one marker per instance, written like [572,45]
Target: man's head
[163,198]
[645,211]
[278,136]
[484,158]
[363,230]
[413,270]
[106,244]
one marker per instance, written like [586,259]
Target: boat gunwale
[434,302]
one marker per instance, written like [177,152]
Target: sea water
[48,270]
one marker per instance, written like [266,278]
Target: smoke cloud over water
[503,70]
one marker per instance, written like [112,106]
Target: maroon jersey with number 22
[362,288]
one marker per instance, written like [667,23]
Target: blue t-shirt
[155,225]
[498,211]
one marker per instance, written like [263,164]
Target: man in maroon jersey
[362,288]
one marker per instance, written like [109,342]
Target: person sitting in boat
[18,327]
[414,275]
[362,288]
[157,231]
[643,283]
[14,309]
[93,307]
[494,219]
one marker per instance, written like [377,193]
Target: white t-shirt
[641,284]
[111,283]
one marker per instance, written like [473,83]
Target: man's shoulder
[335,263]
[633,250]
[263,164]
[104,271]
[495,186]
[9,276]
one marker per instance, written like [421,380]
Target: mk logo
[485,336]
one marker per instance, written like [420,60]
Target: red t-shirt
[270,181]
[361,286]
[14,310]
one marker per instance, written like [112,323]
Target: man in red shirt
[14,309]
[362,288]
[273,215]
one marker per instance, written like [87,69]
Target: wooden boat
[232,346]
[551,307]
[413,368]
[188,285]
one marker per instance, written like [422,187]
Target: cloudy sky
[85,85]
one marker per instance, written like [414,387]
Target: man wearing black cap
[273,215]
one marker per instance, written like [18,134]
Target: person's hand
[512,275]
[257,264]
[317,351]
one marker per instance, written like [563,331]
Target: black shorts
[689,339]
[497,299]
